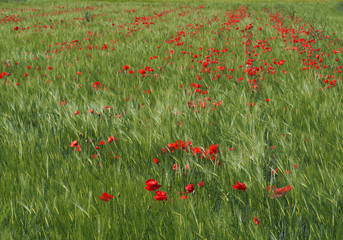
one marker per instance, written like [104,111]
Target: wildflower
[189,188]
[176,167]
[239,186]
[63,102]
[274,172]
[183,197]
[152,185]
[110,139]
[105,197]
[256,220]
[160,196]
[201,184]
[74,143]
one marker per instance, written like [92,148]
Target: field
[171,120]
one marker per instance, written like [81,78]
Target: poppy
[155,160]
[105,197]
[201,184]
[76,112]
[274,172]
[175,167]
[183,197]
[160,196]
[74,143]
[16,28]
[239,186]
[62,102]
[110,139]
[189,188]
[152,185]
[256,220]
[102,142]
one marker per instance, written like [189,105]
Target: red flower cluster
[105,197]
[210,153]
[278,192]
[75,144]
[152,185]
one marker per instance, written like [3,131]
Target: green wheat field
[178,120]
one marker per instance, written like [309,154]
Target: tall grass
[50,191]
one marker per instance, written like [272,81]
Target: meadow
[153,120]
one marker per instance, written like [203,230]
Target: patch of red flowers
[105,197]
[278,192]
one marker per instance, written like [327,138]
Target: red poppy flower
[155,160]
[152,185]
[160,196]
[201,184]
[102,142]
[63,102]
[73,144]
[189,188]
[256,220]
[274,172]
[239,186]
[183,197]
[283,190]
[110,139]
[126,67]
[267,99]
[16,28]
[105,197]
[175,167]
[76,112]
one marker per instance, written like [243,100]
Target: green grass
[50,191]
